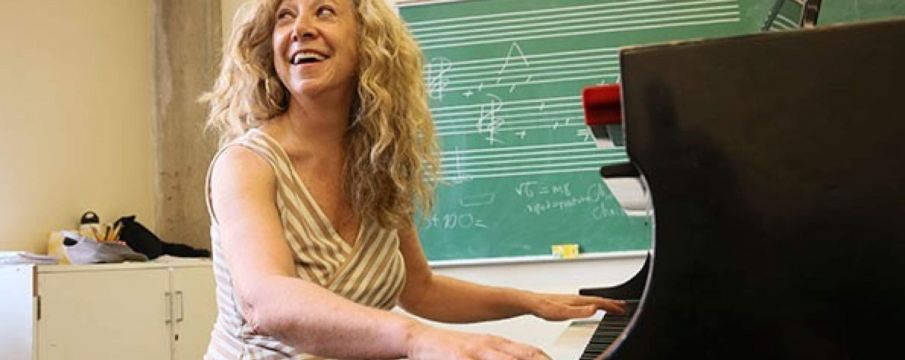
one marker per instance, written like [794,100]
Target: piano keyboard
[609,328]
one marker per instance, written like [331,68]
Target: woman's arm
[278,303]
[271,296]
[445,299]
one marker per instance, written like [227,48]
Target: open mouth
[307,57]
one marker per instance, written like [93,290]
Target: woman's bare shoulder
[240,167]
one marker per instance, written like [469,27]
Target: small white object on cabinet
[107,311]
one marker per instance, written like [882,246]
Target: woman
[326,140]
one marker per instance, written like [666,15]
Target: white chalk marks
[505,74]
[437,80]
[568,21]
[458,166]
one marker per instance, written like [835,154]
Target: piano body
[775,165]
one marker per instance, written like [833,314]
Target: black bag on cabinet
[142,240]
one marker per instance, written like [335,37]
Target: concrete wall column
[187,48]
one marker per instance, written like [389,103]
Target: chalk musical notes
[437,81]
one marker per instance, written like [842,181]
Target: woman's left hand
[557,307]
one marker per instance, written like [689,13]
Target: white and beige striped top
[370,272]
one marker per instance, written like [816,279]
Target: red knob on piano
[603,113]
[602,105]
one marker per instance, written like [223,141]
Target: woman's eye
[325,11]
[283,14]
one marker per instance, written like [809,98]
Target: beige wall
[228,10]
[75,115]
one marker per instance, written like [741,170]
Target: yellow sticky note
[565,251]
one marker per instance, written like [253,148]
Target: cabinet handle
[181,307]
[169,301]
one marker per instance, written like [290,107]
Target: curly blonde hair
[392,152]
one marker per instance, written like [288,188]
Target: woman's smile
[313,54]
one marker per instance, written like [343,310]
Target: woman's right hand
[432,343]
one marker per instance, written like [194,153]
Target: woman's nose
[303,28]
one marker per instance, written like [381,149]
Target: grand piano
[775,166]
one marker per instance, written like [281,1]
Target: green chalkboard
[785,15]
[838,11]
[520,168]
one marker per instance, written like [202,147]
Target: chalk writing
[455,221]
[460,175]
[477,200]
[595,194]
[530,189]
[515,54]
[490,120]
[437,78]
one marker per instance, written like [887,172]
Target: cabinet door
[104,314]
[17,312]
[194,310]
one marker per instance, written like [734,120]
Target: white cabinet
[107,311]
[195,310]
[105,314]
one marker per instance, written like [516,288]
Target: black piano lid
[776,165]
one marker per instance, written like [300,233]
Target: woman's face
[315,46]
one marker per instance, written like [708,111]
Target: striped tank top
[370,272]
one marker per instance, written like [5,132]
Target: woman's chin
[311,89]
[306,90]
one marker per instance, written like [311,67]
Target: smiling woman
[368,45]
[327,149]
[314,50]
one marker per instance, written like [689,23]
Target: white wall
[75,115]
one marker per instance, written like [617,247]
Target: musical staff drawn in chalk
[526,160]
[472,76]
[497,116]
[513,132]
[568,21]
